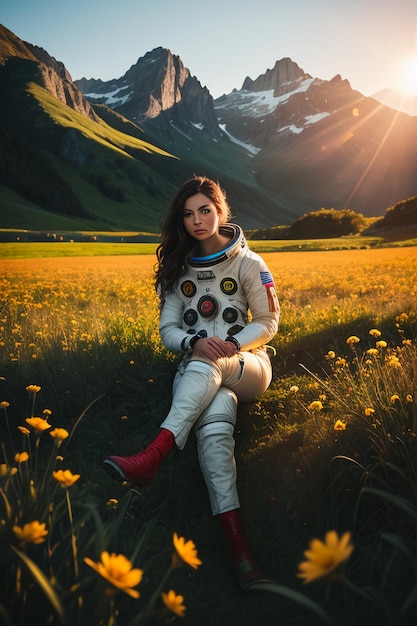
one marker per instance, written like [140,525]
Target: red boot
[248,572]
[141,468]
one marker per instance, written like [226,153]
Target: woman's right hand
[213,348]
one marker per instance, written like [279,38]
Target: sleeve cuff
[188,343]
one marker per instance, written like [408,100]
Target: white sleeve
[172,334]
[259,288]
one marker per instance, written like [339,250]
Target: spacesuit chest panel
[214,301]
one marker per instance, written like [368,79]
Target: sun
[408,77]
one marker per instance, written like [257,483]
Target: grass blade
[41,580]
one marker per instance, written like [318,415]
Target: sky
[222,42]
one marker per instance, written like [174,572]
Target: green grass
[15,209]
[102,133]
[67,249]
[95,152]
[115,246]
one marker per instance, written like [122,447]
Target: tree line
[329,223]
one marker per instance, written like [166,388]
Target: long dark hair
[176,243]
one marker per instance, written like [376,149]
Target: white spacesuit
[230,294]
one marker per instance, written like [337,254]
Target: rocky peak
[57,80]
[281,78]
[47,71]
[157,82]
[12,46]
[158,92]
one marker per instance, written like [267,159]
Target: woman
[218,310]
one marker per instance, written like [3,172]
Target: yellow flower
[59,434]
[323,558]
[38,423]
[294,389]
[315,405]
[117,569]
[403,317]
[393,361]
[174,603]
[339,425]
[33,388]
[4,404]
[187,551]
[381,344]
[374,332]
[352,339]
[21,457]
[369,411]
[7,471]
[65,477]
[331,354]
[406,342]
[33,532]
[394,398]
[409,397]
[24,430]
[372,351]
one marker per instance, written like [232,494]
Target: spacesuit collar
[237,242]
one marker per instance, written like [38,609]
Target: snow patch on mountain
[259,103]
[111,98]
[251,149]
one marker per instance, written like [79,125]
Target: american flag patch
[268,282]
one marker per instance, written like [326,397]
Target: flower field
[327,458]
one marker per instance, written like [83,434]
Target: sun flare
[408,77]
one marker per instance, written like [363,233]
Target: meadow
[327,463]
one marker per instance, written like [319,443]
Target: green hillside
[60,169]
[100,181]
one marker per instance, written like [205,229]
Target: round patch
[228,286]
[230,315]
[234,330]
[207,306]
[188,288]
[190,317]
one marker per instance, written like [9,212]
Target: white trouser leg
[193,392]
[216,445]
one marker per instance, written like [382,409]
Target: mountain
[61,165]
[312,142]
[158,89]
[67,164]
[108,155]
[321,142]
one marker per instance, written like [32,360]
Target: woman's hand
[213,348]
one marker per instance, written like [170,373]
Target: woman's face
[201,219]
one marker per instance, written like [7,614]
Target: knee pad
[223,408]
[216,429]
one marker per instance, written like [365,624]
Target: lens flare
[408,76]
